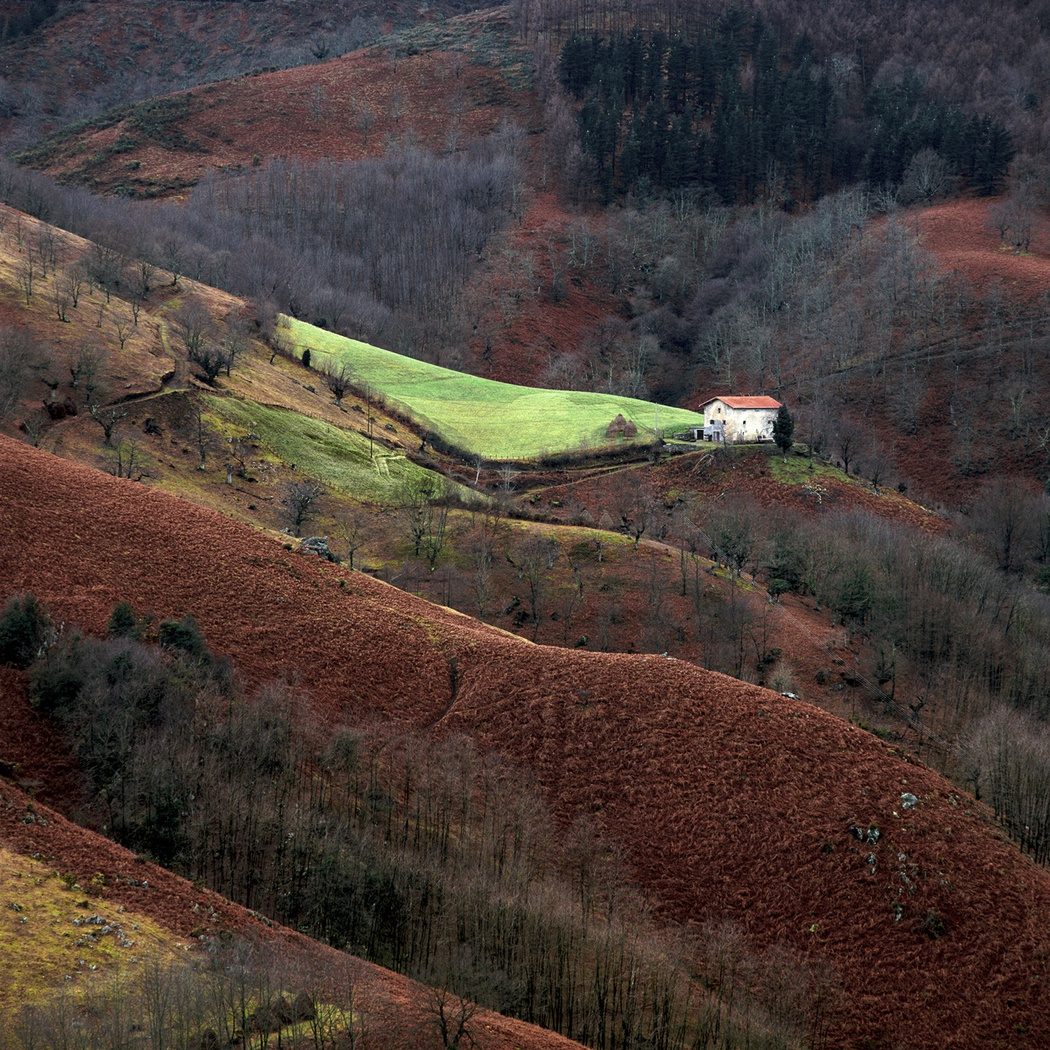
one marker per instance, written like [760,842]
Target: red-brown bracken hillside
[344,109]
[962,236]
[728,801]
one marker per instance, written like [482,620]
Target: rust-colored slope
[962,236]
[728,800]
[441,92]
[737,803]
[83,541]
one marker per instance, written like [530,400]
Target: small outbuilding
[736,419]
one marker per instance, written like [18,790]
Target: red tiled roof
[744,402]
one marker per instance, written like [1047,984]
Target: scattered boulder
[870,835]
[318,545]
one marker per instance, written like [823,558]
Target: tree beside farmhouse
[783,430]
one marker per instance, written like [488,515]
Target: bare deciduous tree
[316,102]
[353,528]
[236,338]
[1028,187]
[126,460]
[634,503]
[198,333]
[925,178]
[423,504]
[107,418]
[194,324]
[452,1016]
[144,274]
[299,502]
[847,441]
[26,272]
[21,362]
[364,120]
[60,299]
[106,265]
[339,379]
[123,324]
[1006,517]
[732,532]
[72,281]
[85,373]
[533,558]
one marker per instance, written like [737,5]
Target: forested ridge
[380,250]
[990,65]
[22,18]
[667,113]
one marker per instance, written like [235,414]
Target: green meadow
[479,416]
[338,458]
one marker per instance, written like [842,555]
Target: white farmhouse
[735,419]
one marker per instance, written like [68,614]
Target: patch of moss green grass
[51,937]
[800,470]
[744,583]
[338,458]
[480,416]
[51,148]
[449,35]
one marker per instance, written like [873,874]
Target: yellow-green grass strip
[338,458]
[56,934]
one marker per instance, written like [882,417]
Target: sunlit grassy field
[479,416]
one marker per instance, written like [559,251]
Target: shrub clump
[124,622]
[184,636]
[55,681]
[23,630]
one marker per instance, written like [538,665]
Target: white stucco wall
[742,424]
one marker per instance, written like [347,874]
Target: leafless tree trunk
[299,502]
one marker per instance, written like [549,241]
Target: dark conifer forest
[737,112]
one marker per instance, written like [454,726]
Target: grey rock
[318,545]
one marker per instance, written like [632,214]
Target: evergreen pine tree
[783,430]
